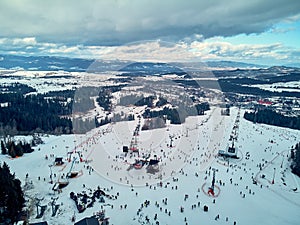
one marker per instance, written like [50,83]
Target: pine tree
[19,149]
[27,148]
[11,197]
[3,148]
[11,150]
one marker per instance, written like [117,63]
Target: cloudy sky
[256,31]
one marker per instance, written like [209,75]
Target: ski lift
[73,174]
[60,185]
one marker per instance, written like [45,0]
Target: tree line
[269,116]
[14,149]
[233,86]
[179,114]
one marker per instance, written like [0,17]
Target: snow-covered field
[280,86]
[185,173]
[45,81]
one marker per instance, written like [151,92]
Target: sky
[258,31]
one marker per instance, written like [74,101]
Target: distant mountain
[233,64]
[45,63]
[53,63]
[149,68]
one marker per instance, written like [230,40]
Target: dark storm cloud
[115,22]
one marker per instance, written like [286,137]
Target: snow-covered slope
[185,173]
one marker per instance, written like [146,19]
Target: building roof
[39,223]
[88,221]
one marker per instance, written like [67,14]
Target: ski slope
[185,173]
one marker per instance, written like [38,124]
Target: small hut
[58,161]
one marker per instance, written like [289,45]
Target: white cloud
[24,41]
[282,30]
[149,51]
[159,51]
[64,50]
[222,50]
[19,42]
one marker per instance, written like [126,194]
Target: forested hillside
[268,116]
[26,114]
